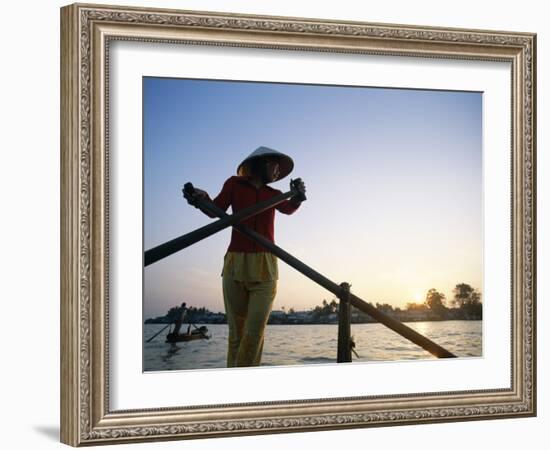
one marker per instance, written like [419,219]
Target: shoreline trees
[465,305]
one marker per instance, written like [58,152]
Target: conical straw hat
[285,162]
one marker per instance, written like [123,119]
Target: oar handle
[295,185]
[189,193]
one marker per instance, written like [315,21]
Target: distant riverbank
[280,317]
[465,305]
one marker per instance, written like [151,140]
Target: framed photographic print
[275,224]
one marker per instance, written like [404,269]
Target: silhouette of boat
[199,333]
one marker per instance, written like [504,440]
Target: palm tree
[462,294]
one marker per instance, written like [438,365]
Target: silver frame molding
[86,32]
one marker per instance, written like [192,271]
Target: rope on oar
[150,339]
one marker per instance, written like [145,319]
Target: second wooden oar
[394,324]
[156,334]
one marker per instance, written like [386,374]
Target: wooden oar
[175,245]
[150,339]
[394,324]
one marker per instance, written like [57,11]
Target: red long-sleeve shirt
[240,193]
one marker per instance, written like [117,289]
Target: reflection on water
[313,344]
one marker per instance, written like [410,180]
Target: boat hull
[185,337]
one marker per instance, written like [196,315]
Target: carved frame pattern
[85,416]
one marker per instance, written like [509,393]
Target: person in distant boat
[250,271]
[179,321]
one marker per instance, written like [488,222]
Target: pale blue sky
[393,177]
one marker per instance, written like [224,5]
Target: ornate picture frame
[87,32]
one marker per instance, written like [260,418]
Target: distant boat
[199,333]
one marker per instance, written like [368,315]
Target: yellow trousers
[247,307]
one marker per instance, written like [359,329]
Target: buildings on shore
[308,317]
[329,314]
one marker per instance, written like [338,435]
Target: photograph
[340,210]
[276,224]
[385,196]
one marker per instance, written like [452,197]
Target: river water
[312,344]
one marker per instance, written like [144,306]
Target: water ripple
[313,344]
